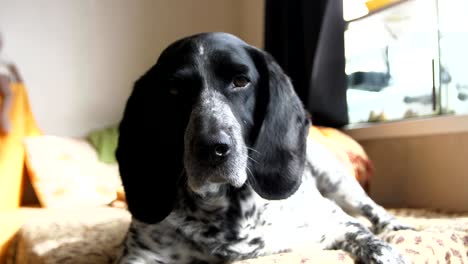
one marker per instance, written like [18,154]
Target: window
[406,60]
[453,39]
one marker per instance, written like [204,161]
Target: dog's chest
[251,226]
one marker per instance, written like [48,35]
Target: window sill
[409,128]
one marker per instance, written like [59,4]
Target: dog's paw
[388,226]
[385,254]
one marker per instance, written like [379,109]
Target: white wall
[252,14]
[79,58]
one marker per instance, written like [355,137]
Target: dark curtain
[306,37]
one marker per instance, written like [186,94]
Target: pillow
[105,142]
[347,150]
[66,172]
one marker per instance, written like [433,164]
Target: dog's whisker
[250,180]
[251,174]
[254,150]
[252,159]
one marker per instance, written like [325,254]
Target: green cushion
[105,142]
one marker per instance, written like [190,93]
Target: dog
[217,166]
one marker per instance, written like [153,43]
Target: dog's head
[212,111]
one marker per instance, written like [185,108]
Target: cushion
[66,172]
[12,154]
[105,142]
[346,150]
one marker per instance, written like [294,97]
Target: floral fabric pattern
[94,235]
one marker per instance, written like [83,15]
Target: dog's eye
[240,81]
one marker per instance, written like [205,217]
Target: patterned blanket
[93,235]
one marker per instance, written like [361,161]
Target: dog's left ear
[280,141]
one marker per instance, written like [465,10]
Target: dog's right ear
[150,148]
[281,140]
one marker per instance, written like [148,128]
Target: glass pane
[453,22]
[389,63]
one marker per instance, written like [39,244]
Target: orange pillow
[12,150]
[347,150]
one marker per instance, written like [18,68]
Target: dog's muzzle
[215,151]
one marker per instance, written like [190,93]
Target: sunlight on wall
[80,58]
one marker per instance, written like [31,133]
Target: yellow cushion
[12,149]
[346,150]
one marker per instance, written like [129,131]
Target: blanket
[94,235]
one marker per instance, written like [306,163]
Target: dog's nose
[217,147]
[221,150]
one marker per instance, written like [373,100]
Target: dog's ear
[280,140]
[150,149]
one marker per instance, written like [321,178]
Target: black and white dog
[217,167]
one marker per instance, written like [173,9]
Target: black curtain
[306,37]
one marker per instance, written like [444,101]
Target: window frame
[440,124]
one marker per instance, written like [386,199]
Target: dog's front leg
[347,233]
[335,183]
